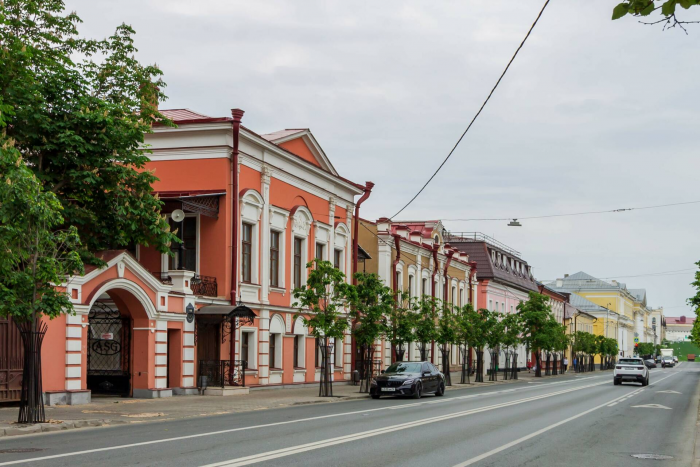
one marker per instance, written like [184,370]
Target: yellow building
[621,314]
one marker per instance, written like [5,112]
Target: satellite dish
[178,215]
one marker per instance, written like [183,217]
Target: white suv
[631,369]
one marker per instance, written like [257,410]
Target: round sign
[636,340]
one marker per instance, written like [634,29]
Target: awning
[240,311]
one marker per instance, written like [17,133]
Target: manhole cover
[19,450]
[656,457]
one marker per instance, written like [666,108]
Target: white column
[161,368]
[264,346]
[265,235]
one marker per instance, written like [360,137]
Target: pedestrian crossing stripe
[651,406]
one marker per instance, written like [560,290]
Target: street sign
[107,336]
[636,340]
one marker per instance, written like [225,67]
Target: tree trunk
[325,388]
[445,350]
[479,378]
[538,364]
[31,408]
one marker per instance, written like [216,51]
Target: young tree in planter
[323,298]
[562,342]
[494,338]
[534,316]
[446,335]
[34,256]
[465,322]
[512,330]
[398,324]
[424,324]
[482,322]
[370,302]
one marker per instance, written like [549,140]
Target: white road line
[550,427]
[270,455]
[267,425]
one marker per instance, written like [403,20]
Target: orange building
[251,211]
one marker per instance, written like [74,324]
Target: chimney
[565,276]
[682,320]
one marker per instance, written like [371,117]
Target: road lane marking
[287,422]
[668,392]
[651,406]
[284,452]
[548,428]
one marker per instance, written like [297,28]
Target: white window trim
[251,209]
[300,330]
[301,228]
[280,262]
[252,346]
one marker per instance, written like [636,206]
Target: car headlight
[373,382]
[408,382]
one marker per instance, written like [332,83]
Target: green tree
[35,258]
[78,110]
[445,336]
[645,349]
[321,306]
[512,333]
[666,8]
[424,323]
[398,324]
[535,313]
[466,328]
[494,330]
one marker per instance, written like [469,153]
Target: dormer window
[436,240]
[493,257]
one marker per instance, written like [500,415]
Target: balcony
[201,285]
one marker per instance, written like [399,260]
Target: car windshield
[630,361]
[404,368]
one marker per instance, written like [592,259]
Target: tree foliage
[321,301]
[34,255]
[77,110]
[398,322]
[370,302]
[644,8]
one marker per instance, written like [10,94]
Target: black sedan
[408,379]
[650,363]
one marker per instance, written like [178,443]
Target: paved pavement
[570,420]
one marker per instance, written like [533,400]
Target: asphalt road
[582,420]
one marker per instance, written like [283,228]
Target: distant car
[658,359]
[631,369]
[675,359]
[667,362]
[650,363]
[408,379]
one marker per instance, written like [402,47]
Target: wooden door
[11,361]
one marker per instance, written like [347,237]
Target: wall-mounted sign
[107,336]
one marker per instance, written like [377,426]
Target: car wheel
[417,391]
[617,382]
[376,396]
[441,390]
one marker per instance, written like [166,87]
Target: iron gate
[109,351]
[11,361]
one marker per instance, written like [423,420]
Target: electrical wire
[584,213]
[478,113]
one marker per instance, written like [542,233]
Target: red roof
[190,116]
[679,320]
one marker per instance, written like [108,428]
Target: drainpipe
[237,115]
[435,271]
[365,195]
[394,280]
[447,265]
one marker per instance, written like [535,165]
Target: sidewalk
[106,411]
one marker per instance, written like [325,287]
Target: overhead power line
[584,213]
[478,113]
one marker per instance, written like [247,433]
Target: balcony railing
[220,373]
[204,285]
[457,237]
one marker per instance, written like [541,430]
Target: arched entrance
[120,340]
[108,350]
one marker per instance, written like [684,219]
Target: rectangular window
[338,350]
[410,286]
[187,232]
[503,307]
[273,350]
[454,295]
[274,259]
[424,287]
[319,251]
[247,252]
[296,351]
[317,354]
[245,336]
[297,262]
[490,304]
[337,257]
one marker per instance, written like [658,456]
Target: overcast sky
[593,114]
